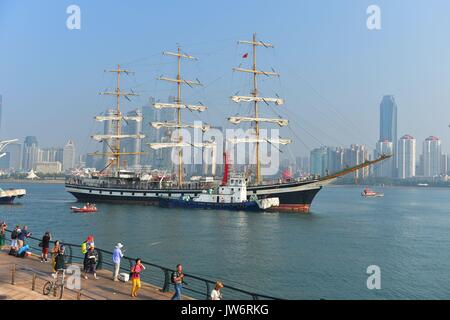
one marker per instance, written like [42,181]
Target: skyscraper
[406,157]
[432,157]
[355,155]
[109,128]
[30,153]
[319,161]
[335,159]
[133,145]
[383,168]
[13,160]
[69,156]
[388,126]
[148,115]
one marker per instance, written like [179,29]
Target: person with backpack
[87,243]
[14,236]
[45,244]
[136,277]
[177,280]
[91,258]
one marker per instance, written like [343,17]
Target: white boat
[229,196]
[8,196]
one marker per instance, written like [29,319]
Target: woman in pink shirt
[136,277]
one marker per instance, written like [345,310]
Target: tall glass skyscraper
[406,157]
[432,157]
[388,126]
[30,153]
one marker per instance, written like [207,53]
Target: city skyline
[330,96]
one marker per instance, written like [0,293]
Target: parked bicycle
[54,286]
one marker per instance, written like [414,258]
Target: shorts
[44,250]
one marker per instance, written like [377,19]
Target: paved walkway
[102,289]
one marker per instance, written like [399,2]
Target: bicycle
[52,286]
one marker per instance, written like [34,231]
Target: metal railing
[195,287]
[43,278]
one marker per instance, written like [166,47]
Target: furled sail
[237,120]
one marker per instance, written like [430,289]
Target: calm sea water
[321,255]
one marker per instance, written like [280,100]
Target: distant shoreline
[49,181]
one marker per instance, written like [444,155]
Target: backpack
[172,277]
[84,248]
[14,234]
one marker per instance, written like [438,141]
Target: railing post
[33,282]
[13,275]
[208,290]
[166,281]
[69,256]
[100,260]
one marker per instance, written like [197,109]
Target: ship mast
[116,120]
[178,105]
[255,98]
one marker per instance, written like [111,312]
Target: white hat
[119,245]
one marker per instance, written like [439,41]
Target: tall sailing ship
[114,184]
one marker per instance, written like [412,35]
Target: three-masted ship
[124,186]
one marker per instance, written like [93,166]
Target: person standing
[136,277]
[3,227]
[117,256]
[177,280]
[22,236]
[45,244]
[87,243]
[215,293]
[60,264]
[14,238]
[55,252]
[91,259]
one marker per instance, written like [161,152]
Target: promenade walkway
[102,289]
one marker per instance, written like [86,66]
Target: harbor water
[322,255]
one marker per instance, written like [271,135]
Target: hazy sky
[334,71]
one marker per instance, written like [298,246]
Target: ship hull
[178,203]
[7,200]
[293,197]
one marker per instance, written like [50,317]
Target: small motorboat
[367,193]
[86,209]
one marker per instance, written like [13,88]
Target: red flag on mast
[245,55]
